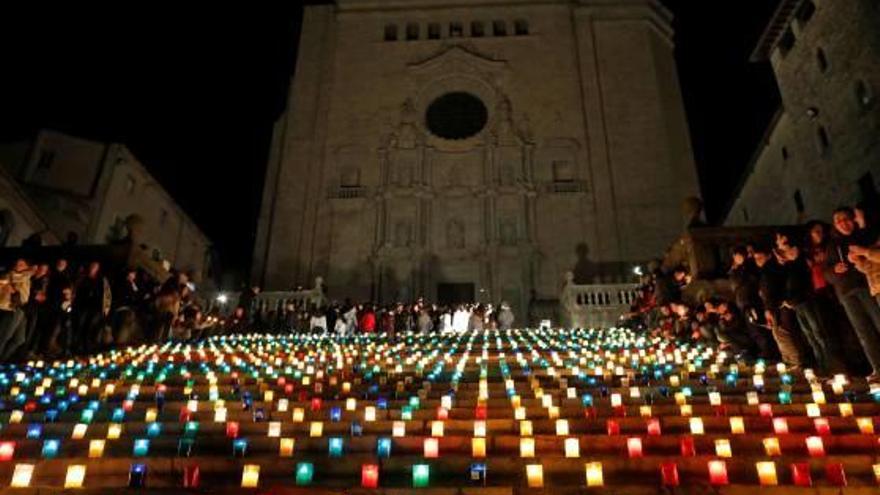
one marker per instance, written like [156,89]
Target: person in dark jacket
[780,318]
[851,286]
[800,296]
[89,311]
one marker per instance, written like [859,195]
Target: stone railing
[270,301]
[596,305]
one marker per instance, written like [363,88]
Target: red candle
[590,413]
[30,406]
[717,472]
[669,474]
[815,446]
[634,447]
[481,413]
[370,475]
[620,411]
[613,427]
[835,474]
[432,448]
[442,413]
[780,426]
[7,449]
[720,410]
[281,381]
[654,427]
[127,405]
[822,426]
[288,389]
[316,404]
[232,429]
[687,446]
[766,410]
[191,476]
[800,474]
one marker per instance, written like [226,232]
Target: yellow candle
[350,404]
[696,426]
[519,413]
[79,431]
[767,473]
[771,446]
[220,415]
[479,428]
[527,447]
[561,427]
[866,425]
[150,415]
[525,428]
[535,475]
[21,477]
[686,410]
[250,476]
[285,447]
[572,448]
[813,411]
[436,428]
[478,447]
[76,474]
[316,429]
[737,425]
[594,474]
[274,429]
[96,449]
[370,414]
[114,430]
[846,409]
[299,415]
[722,448]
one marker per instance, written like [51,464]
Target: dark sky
[194,95]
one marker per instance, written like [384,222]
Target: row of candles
[801,474]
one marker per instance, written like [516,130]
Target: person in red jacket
[367,322]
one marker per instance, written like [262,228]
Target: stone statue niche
[402,233]
[455,234]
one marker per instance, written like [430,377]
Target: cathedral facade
[475,150]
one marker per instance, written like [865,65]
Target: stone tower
[475,149]
[821,151]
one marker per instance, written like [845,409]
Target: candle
[370,475]
[846,409]
[79,431]
[613,427]
[594,474]
[298,415]
[813,410]
[800,474]
[823,427]
[634,447]
[478,447]
[653,427]
[398,429]
[525,428]
[334,447]
[572,448]
[835,474]
[519,413]
[285,447]
[316,429]
[137,475]
[687,446]
[669,474]
[866,425]
[431,448]
[232,429]
[717,472]
[7,450]
[645,411]
[767,473]
[141,447]
[96,449]
[780,426]
[526,447]
[771,446]
[766,410]
[421,475]
[815,446]
[561,427]
[220,415]
[50,448]
[370,414]
[76,475]
[436,428]
[535,475]
[479,428]
[250,476]
[876,468]
[696,426]
[21,477]
[305,471]
[722,448]
[737,425]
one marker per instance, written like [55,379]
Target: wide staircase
[532,411]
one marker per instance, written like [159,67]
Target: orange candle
[717,472]
[634,447]
[815,446]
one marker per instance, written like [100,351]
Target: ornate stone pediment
[458,59]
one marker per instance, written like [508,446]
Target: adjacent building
[87,189]
[475,149]
[822,149]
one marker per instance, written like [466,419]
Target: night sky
[194,95]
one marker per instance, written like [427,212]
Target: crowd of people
[809,297]
[347,318]
[62,310]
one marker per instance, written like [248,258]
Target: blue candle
[335,414]
[118,415]
[335,447]
[34,431]
[141,447]
[154,429]
[50,448]
[137,476]
[383,447]
[239,447]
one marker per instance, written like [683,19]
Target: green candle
[421,475]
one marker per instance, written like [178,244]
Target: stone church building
[475,149]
